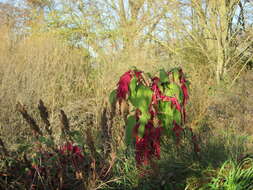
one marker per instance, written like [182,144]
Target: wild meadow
[114,94]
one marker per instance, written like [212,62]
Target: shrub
[159,107]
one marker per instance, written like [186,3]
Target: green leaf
[164,76]
[143,98]
[166,114]
[188,83]
[172,90]
[112,97]
[132,88]
[177,116]
[141,130]
[130,123]
[175,73]
[134,68]
[145,116]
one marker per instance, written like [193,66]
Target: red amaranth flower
[185,92]
[138,75]
[156,90]
[183,86]
[177,129]
[69,148]
[155,97]
[185,99]
[141,155]
[156,141]
[123,86]
[148,147]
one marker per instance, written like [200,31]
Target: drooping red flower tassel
[123,84]
[148,146]
[177,129]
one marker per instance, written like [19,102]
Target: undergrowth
[73,139]
[97,158]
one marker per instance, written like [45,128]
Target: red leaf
[173,100]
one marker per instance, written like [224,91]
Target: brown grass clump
[64,124]
[234,106]
[32,123]
[39,66]
[44,116]
[4,150]
[53,165]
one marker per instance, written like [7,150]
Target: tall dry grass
[40,67]
[43,66]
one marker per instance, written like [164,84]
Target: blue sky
[5,1]
[9,1]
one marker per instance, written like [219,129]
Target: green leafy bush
[159,107]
